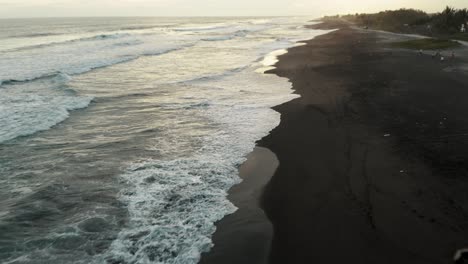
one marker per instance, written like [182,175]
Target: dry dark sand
[373,159]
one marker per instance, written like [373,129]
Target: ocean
[120,137]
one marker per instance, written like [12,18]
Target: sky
[80,8]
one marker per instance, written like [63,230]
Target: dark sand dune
[373,157]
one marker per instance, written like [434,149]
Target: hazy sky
[65,8]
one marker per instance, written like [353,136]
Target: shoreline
[361,177]
[371,156]
[245,236]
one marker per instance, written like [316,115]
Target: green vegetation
[447,24]
[450,20]
[396,21]
[461,36]
[427,44]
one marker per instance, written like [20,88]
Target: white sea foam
[172,207]
[215,102]
[77,57]
[31,107]
[201,27]
[173,204]
[84,39]
[270,60]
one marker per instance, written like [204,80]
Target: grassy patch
[427,44]
[461,36]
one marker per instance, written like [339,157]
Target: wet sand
[245,236]
[373,159]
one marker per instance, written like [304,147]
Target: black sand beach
[245,236]
[372,157]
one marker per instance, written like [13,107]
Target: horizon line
[156,16]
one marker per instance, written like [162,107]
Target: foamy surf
[28,108]
[142,175]
[174,204]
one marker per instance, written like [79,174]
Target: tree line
[449,21]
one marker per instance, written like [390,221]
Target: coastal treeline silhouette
[448,22]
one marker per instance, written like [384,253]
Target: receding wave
[128,43]
[130,28]
[47,76]
[29,108]
[36,35]
[203,28]
[237,34]
[88,68]
[92,38]
[215,76]
[218,38]
[176,194]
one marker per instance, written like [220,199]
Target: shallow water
[119,138]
